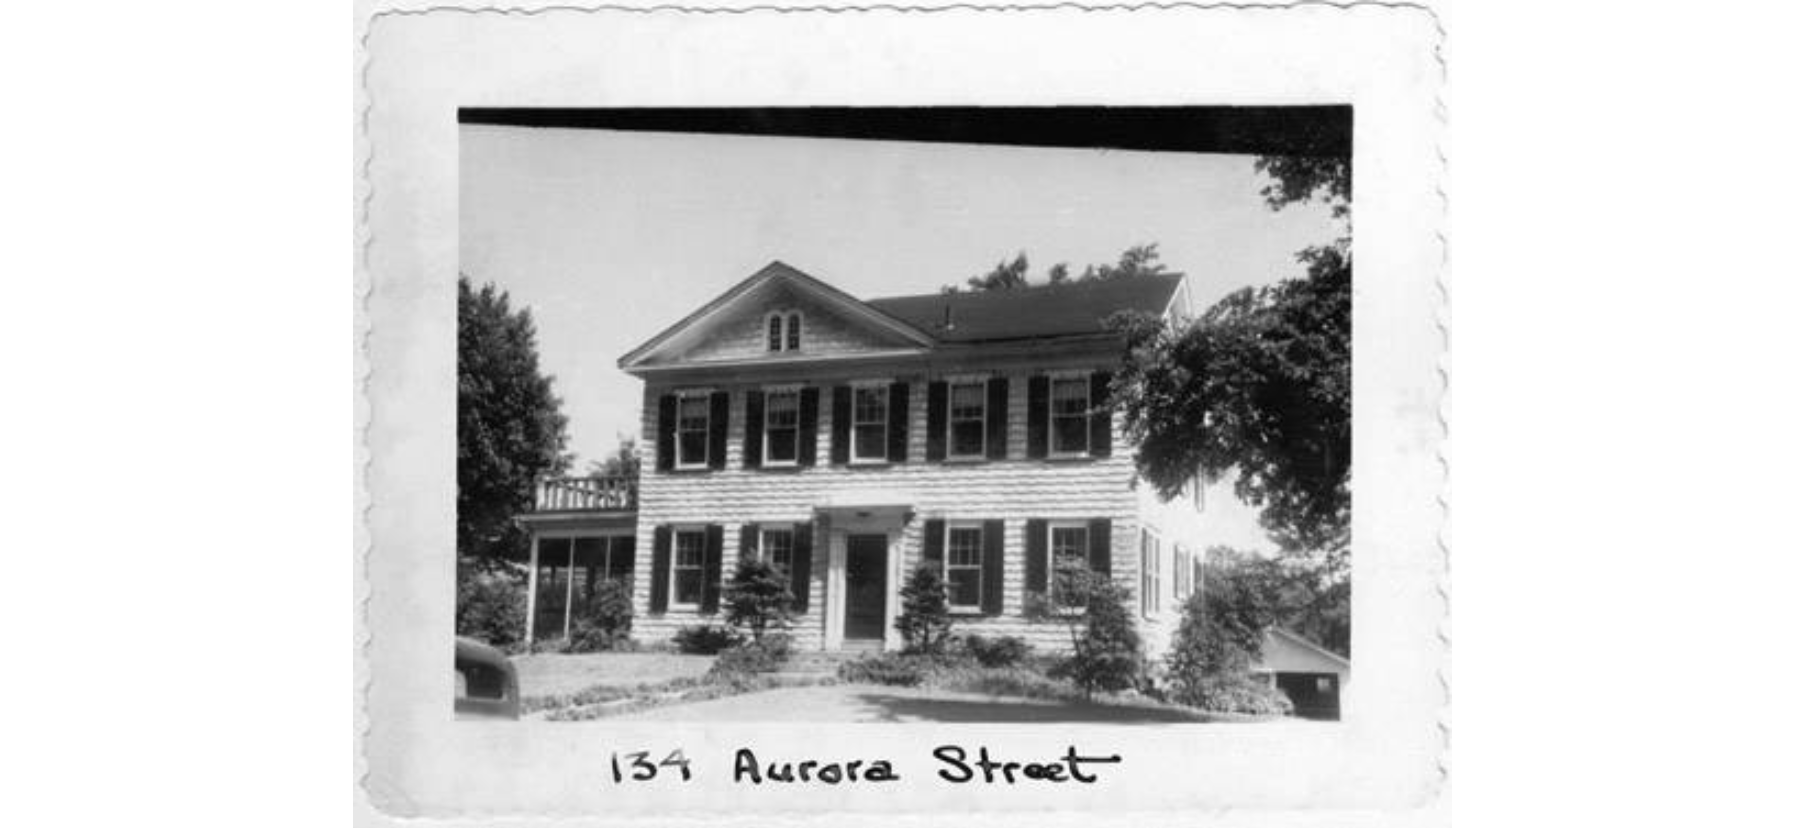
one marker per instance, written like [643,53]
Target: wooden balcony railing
[587,494]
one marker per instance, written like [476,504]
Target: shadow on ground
[896,708]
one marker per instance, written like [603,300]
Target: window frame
[1053,416]
[676,565]
[763,550]
[882,423]
[771,392]
[704,396]
[792,331]
[1052,558]
[983,417]
[786,323]
[1151,582]
[946,565]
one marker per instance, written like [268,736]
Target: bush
[1105,646]
[757,599]
[762,655]
[605,621]
[491,607]
[1001,651]
[924,622]
[897,669]
[703,639]
[1209,666]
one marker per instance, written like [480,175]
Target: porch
[582,532]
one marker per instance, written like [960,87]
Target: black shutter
[1100,413]
[717,430]
[667,432]
[660,569]
[801,563]
[1039,390]
[808,424]
[711,571]
[842,424]
[1036,555]
[936,421]
[933,542]
[996,412]
[898,422]
[992,567]
[748,542]
[754,429]
[1099,545]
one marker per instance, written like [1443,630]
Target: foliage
[1249,592]
[1105,645]
[1297,179]
[604,621]
[1139,260]
[509,427]
[925,621]
[757,598]
[1233,693]
[760,655]
[1211,658]
[491,606]
[896,669]
[1000,651]
[624,462]
[1006,275]
[704,639]
[1011,274]
[1261,387]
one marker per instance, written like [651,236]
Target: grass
[549,676]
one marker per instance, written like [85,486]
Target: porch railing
[586,494]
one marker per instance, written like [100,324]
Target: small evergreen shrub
[999,651]
[704,639]
[759,655]
[925,622]
[1105,646]
[757,599]
[604,622]
[1209,666]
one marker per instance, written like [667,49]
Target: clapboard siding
[743,335]
[1011,490]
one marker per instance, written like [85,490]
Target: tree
[1105,645]
[509,427]
[1006,275]
[624,462]
[925,622]
[1139,260]
[1210,664]
[757,599]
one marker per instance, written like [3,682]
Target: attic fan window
[783,332]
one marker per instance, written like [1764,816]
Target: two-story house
[847,441]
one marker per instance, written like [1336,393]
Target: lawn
[879,704]
[554,674]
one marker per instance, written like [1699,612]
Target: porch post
[569,584]
[532,588]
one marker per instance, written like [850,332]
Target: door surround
[886,522]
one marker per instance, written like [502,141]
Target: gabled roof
[1288,651]
[1069,309]
[778,271]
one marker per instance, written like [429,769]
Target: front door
[867,561]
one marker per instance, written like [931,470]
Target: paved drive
[872,703]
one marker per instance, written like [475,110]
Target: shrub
[898,669]
[758,599]
[703,639]
[760,655]
[1105,646]
[1001,651]
[604,621]
[491,606]
[924,622]
[1209,666]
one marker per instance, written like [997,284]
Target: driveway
[860,703]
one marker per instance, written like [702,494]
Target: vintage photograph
[1031,415]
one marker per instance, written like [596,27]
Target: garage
[1312,677]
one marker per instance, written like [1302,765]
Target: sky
[609,237]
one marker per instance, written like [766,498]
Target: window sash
[777,548]
[692,430]
[686,563]
[870,423]
[792,336]
[965,419]
[963,568]
[774,333]
[1066,541]
[1070,416]
[782,426]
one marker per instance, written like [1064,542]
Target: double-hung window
[686,568]
[781,423]
[783,331]
[964,567]
[965,420]
[692,431]
[1150,575]
[777,548]
[1068,547]
[1070,416]
[870,423]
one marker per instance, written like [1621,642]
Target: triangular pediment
[734,327]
